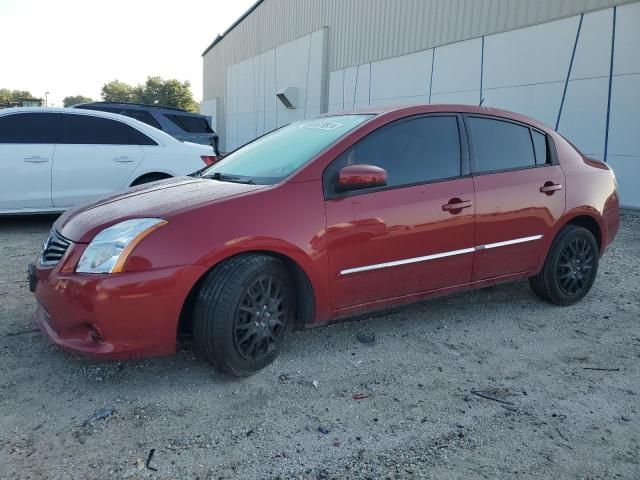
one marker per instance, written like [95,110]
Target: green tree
[155,91]
[117,91]
[76,99]
[172,93]
[7,95]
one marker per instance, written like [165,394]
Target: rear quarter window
[540,147]
[191,124]
[142,116]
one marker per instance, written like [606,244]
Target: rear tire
[570,267]
[243,313]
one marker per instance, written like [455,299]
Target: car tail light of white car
[209,159]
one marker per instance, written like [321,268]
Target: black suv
[180,124]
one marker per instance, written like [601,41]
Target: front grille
[54,248]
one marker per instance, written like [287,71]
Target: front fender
[287,220]
[313,266]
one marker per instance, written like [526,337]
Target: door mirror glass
[359,176]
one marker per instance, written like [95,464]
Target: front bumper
[113,316]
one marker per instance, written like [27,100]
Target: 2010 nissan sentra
[323,219]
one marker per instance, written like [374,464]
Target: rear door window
[500,145]
[29,128]
[89,130]
[414,151]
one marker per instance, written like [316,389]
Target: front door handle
[123,159]
[456,204]
[550,187]
[36,159]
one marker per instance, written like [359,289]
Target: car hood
[158,199]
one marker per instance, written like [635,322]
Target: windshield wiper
[230,178]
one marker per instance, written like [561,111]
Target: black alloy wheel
[575,267]
[243,312]
[260,320]
[570,267]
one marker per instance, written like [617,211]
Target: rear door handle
[550,187]
[123,159]
[36,159]
[456,205]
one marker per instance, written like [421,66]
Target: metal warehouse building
[572,64]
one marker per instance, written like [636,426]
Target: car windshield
[276,155]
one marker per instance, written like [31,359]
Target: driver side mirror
[359,176]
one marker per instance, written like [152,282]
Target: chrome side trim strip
[435,256]
[510,242]
[406,261]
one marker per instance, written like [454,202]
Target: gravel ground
[561,391]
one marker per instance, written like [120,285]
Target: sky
[73,47]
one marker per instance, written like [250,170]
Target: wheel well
[305,296]
[590,224]
[148,176]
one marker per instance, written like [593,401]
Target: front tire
[570,267]
[243,314]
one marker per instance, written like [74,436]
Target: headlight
[109,250]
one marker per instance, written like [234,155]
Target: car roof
[153,132]
[136,106]
[416,109]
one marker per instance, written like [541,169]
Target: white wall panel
[584,122]
[210,109]
[593,52]
[627,170]
[336,91]
[405,76]
[539,101]
[536,54]
[470,97]
[270,91]
[259,74]
[363,85]
[349,87]
[624,125]
[316,77]
[292,64]
[246,91]
[231,137]
[246,128]
[252,106]
[456,67]
[246,102]
[399,101]
[627,57]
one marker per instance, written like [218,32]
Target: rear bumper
[119,316]
[611,218]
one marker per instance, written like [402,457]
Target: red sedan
[323,219]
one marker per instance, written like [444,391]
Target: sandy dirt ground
[487,384]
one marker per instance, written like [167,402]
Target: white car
[54,158]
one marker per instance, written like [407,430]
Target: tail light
[209,159]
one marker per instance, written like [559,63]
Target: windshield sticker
[324,125]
